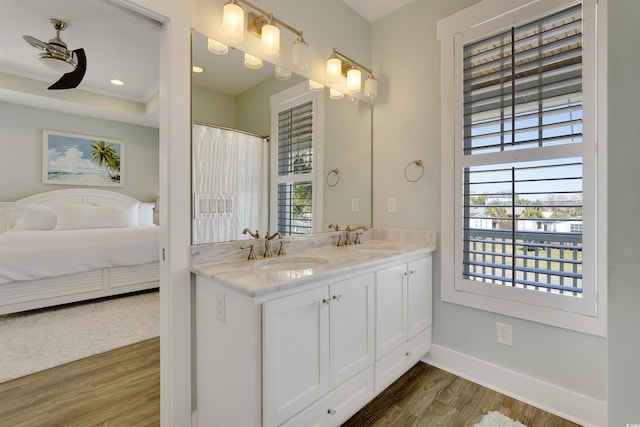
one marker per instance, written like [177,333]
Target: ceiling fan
[56,56]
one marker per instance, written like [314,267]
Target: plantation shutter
[295,169]
[522,213]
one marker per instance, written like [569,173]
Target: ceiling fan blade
[73,79]
[36,43]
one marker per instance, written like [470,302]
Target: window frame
[284,100]
[586,314]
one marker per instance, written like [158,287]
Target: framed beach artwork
[70,159]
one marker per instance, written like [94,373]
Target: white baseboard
[564,403]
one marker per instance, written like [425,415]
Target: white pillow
[145,214]
[73,216]
[37,217]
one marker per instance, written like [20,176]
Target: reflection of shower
[229,183]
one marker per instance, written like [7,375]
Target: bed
[73,245]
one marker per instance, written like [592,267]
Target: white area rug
[42,339]
[496,419]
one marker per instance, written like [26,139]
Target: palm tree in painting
[105,155]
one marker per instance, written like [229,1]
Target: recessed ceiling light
[117,82]
[197,69]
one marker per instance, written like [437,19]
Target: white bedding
[37,254]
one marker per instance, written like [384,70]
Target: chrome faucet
[267,242]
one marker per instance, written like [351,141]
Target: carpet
[41,339]
[496,419]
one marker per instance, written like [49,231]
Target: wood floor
[117,388]
[122,388]
[430,397]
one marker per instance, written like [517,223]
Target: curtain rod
[267,137]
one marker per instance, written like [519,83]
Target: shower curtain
[229,184]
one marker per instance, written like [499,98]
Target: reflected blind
[522,220]
[295,140]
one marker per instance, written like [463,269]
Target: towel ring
[419,164]
[335,172]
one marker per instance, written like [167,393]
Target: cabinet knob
[408,353]
[337,297]
[331,411]
[325,301]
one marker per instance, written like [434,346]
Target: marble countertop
[264,276]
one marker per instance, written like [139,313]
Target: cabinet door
[391,309]
[418,296]
[295,353]
[351,327]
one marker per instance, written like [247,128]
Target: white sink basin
[287,263]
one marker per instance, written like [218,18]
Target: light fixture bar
[347,59]
[273,18]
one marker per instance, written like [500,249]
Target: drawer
[393,365]
[338,405]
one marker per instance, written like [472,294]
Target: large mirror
[237,166]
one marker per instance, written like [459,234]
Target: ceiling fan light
[58,65]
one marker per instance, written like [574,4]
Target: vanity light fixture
[334,69]
[252,62]
[314,86]
[263,25]
[270,39]
[335,94]
[339,65]
[282,73]
[196,69]
[233,22]
[300,54]
[216,47]
[117,82]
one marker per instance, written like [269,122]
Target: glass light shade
[334,70]
[57,65]
[335,94]
[197,69]
[282,73]
[371,87]
[300,55]
[315,86]
[270,41]
[233,22]
[216,47]
[252,62]
[354,80]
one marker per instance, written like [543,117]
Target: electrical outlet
[221,309]
[355,205]
[504,334]
[391,205]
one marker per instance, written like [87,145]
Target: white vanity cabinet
[311,355]
[403,319]
[312,342]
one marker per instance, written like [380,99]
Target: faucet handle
[339,236]
[252,254]
[281,250]
[357,239]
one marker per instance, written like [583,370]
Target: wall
[623,340]
[407,127]
[214,108]
[21,150]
